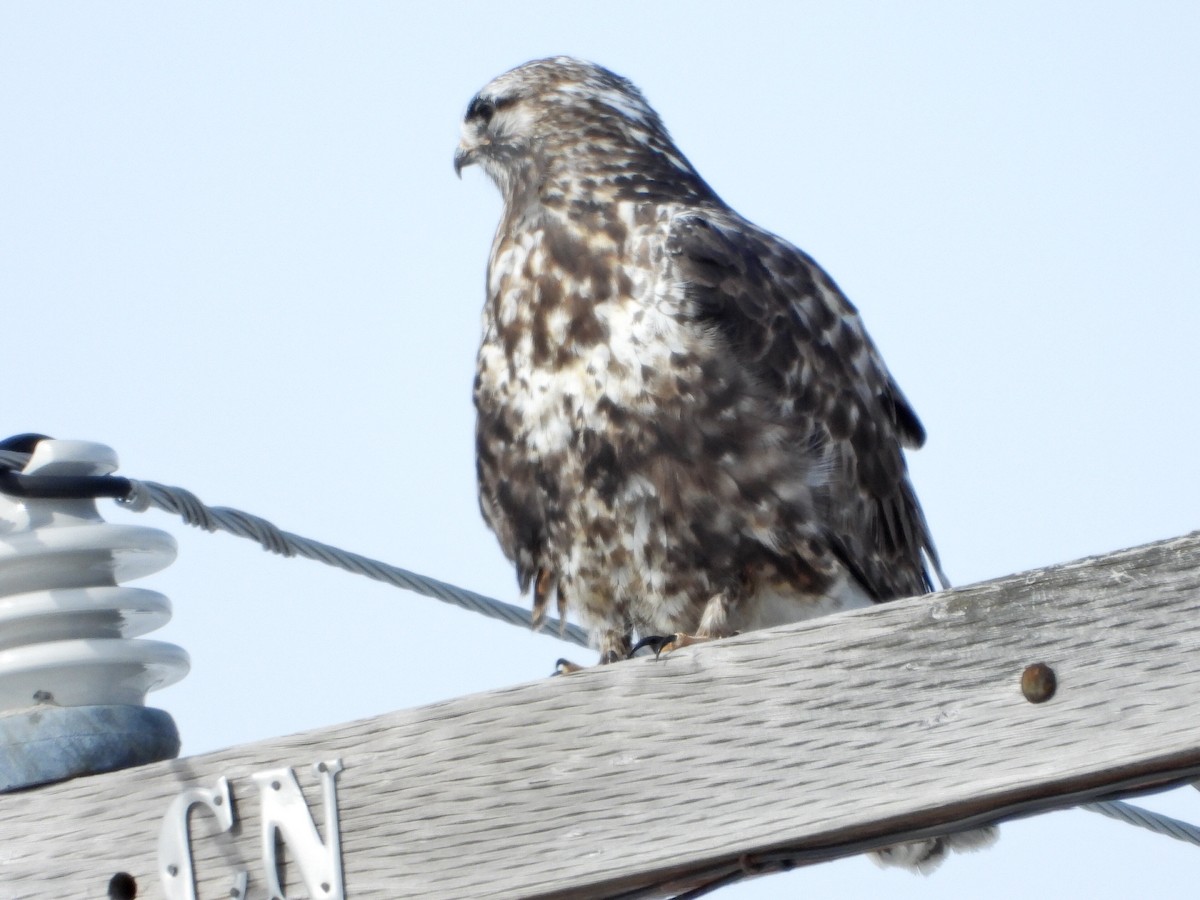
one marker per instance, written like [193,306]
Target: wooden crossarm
[810,741]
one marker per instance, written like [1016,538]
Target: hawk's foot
[566,667]
[665,643]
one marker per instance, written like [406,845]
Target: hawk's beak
[463,157]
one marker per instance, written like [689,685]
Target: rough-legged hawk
[683,426]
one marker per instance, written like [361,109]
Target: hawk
[683,427]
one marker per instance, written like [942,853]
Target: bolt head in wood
[1038,683]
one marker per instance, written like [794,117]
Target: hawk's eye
[481,109]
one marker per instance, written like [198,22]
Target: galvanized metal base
[43,744]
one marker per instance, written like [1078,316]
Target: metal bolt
[1038,683]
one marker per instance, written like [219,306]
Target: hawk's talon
[665,643]
[566,667]
[656,642]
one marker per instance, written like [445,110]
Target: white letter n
[286,820]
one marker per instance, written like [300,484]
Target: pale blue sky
[232,247]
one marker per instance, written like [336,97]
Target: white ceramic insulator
[66,624]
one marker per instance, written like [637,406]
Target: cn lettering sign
[286,823]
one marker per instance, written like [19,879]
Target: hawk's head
[563,117]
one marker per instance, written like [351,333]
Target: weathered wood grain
[851,729]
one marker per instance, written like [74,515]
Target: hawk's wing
[782,318]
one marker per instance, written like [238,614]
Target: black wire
[23,443]
[63,487]
[709,887]
[55,487]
